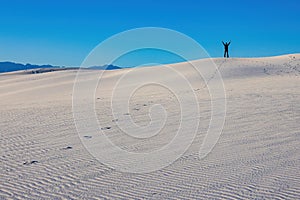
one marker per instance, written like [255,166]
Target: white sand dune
[256,157]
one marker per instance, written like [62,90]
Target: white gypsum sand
[256,157]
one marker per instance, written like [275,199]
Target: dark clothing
[226,45]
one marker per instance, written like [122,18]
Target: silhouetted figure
[226,45]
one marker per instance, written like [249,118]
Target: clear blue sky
[64,32]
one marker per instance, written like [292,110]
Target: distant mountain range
[106,67]
[11,66]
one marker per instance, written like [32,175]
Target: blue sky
[64,32]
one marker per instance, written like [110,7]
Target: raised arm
[223,43]
[229,43]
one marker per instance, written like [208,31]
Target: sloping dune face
[256,156]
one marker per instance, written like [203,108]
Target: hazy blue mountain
[106,67]
[11,66]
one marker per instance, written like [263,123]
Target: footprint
[137,109]
[31,162]
[68,147]
[106,128]
[87,137]
[114,120]
[144,104]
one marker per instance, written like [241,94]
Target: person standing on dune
[226,45]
